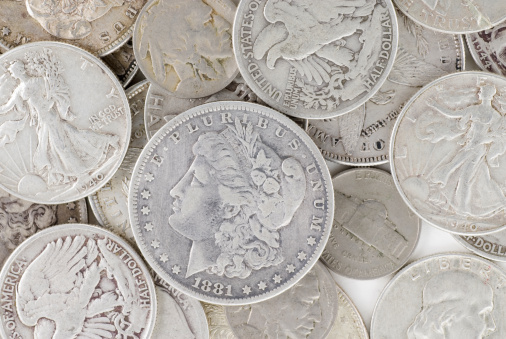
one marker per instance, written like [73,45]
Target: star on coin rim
[262,111]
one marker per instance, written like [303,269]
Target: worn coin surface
[110,203]
[20,219]
[491,246]
[315,61]
[307,310]
[455,17]
[362,137]
[374,232]
[231,203]
[348,324]
[64,123]
[161,107]
[98,27]
[76,281]
[447,152]
[488,48]
[185,46]
[443,296]
[178,315]
[122,62]
[217,320]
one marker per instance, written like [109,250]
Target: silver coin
[21,219]
[161,107]
[362,137]
[76,281]
[178,315]
[491,246]
[231,203]
[122,62]
[185,46]
[64,125]
[488,49]
[315,61]
[454,17]
[446,153]
[374,232]
[348,324]
[306,310]
[443,296]
[99,28]
[217,320]
[110,203]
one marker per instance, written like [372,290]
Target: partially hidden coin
[64,125]
[231,203]
[76,281]
[454,17]
[491,246]
[110,203]
[306,310]
[447,295]
[447,153]
[362,136]
[185,46]
[20,219]
[122,62]
[315,61]
[374,232]
[488,48]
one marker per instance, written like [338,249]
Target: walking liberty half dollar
[64,123]
[315,61]
[445,296]
[448,153]
[231,203]
[76,281]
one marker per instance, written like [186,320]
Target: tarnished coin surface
[307,310]
[110,203]
[231,203]
[76,281]
[452,16]
[178,315]
[443,296]
[374,232]
[20,219]
[315,61]
[362,137]
[448,149]
[491,246]
[488,48]
[122,62]
[98,27]
[185,46]
[64,123]
[161,107]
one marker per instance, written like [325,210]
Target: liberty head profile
[233,201]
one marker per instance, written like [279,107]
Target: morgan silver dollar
[231,203]
[315,61]
[76,281]
[64,123]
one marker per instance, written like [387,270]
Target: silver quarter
[231,203]
[315,61]
[76,281]
[178,315]
[122,62]
[185,46]
[491,246]
[443,296]
[362,137]
[374,232]
[349,324]
[110,203]
[161,107]
[64,125]
[488,49]
[307,310]
[99,28]
[454,17]
[446,153]
[21,219]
